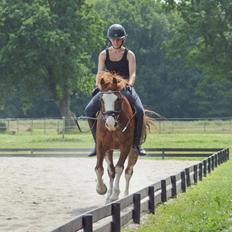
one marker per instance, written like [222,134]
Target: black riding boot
[93,126]
[137,137]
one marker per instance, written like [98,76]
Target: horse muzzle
[111,123]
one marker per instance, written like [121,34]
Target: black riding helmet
[116,31]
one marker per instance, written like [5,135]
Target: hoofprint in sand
[41,194]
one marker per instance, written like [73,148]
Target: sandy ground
[40,194]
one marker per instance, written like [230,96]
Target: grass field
[84,140]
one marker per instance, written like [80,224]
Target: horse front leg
[118,172]
[132,159]
[111,173]
[101,187]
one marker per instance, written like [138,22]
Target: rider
[120,60]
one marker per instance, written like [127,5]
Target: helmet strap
[119,46]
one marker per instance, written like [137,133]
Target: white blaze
[109,100]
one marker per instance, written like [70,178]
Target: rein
[127,124]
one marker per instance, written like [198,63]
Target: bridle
[115,113]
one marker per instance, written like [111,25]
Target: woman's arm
[101,64]
[132,67]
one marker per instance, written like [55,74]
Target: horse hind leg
[111,173]
[132,159]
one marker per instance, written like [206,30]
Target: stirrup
[93,152]
[139,150]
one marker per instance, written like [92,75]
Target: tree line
[49,49]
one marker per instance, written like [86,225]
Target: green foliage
[48,51]
[48,45]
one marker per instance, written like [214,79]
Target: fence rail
[130,208]
[45,126]
[83,152]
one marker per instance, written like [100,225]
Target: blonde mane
[111,81]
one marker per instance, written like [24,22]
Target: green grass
[84,140]
[205,207]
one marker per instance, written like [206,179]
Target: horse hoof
[114,197]
[101,190]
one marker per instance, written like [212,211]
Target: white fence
[57,126]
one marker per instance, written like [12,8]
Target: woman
[120,60]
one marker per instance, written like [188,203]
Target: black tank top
[120,67]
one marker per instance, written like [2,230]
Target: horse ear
[115,81]
[102,82]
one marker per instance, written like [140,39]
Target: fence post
[183,181]
[173,181]
[116,223]
[163,191]
[32,125]
[212,159]
[216,160]
[17,126]
[209,165]
[188,181]
[136,210]
[195,174]
[87,223]
[151,203]
[44,126]
[200,171]
[163,156]
[63,127]
[205,168]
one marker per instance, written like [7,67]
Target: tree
[47,46]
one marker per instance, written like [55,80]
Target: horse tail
[148,122]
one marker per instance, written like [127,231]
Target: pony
[115,130]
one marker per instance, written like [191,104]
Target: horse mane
[111,81]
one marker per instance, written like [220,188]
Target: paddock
[40,194]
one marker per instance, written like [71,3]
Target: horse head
[111,99]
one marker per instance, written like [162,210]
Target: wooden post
[163,191]
[87,222]
[205,168]
[173,181]
[183,181]
[136,210]
[219,158]
[212,159]
[200,171]
[209,165]
[188,181]
[44,126]
[116,223]
[63,127]
[151,203]
[216,160]
[163,155]
[195,174]
[32,125]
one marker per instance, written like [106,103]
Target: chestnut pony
[115,130]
